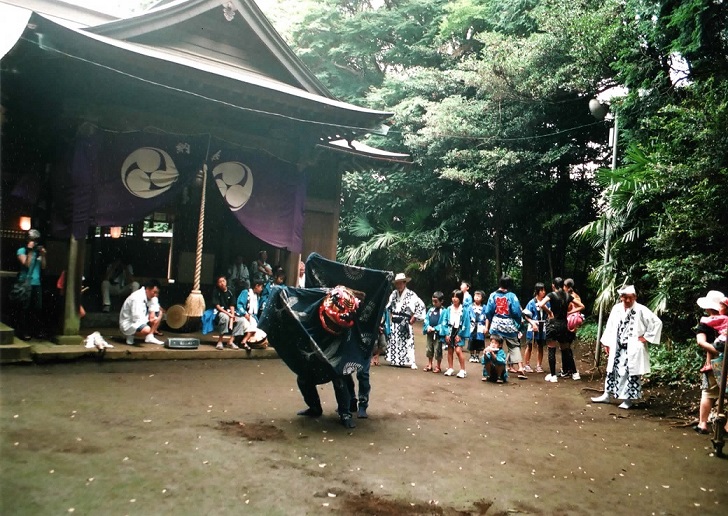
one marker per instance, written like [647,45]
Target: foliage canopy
[491,100]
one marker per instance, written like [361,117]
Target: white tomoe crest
[235,181]
[148,172]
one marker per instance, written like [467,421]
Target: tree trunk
[528,270]
[497,254]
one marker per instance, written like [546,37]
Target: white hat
[711,300]
[627,290]
[401,277]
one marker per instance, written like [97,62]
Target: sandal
[245,346]
[233,346]
[436,370]
[427,369]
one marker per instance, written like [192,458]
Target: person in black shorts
[556,304]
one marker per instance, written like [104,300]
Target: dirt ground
[221,437]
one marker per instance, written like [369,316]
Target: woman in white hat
[706,337]
[404,308]
[630,328]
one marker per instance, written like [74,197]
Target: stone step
[17,352]
[48,353]
[7,334]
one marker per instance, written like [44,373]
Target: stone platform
[41,351]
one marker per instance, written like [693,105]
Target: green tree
[661,204]
[504,149]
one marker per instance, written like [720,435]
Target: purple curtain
[119,178]
[265,194]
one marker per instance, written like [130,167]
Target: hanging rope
[195,304]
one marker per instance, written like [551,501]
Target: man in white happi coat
[630,328]
[404,308]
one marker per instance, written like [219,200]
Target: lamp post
[599,111]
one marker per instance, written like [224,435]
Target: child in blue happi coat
[494,361]
[456,326]
[478,322]
[432,327]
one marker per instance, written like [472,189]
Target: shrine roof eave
[167,14]
[146,63]
[361,150]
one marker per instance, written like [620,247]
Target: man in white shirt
[238,276]
[118,281]
[301,280]
[138,317]
[261,267]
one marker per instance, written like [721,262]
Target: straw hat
[401,277]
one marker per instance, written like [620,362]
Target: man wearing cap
[705,336]
[32,259]
[404,308]
[630,328]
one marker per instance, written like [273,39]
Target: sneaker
[576,376]
[552,378]
[219,346]
[563,374]
[450,372]
[310,412]
[462,373]
[347,421]
[528,369]
[151,339]
[626,404]
[413,366]
[106,309]
[130,340]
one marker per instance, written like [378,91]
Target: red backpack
[574,321]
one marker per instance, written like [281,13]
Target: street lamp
[599,111]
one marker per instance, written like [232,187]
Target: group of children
[465,322]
